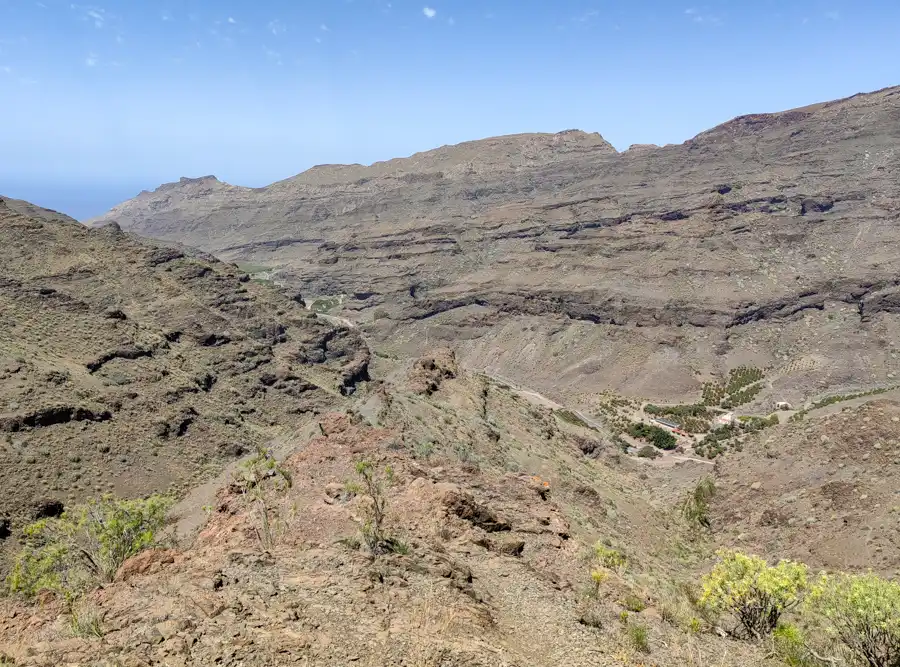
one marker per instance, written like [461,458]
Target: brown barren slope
[768,240]
[495,501]
[127,367]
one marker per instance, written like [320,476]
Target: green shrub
[863,613]
[465,452]
[653,434]
[424,450]
[84,622]
[598,577]
[371,485]
[637,637]
[610,558]
[397,546]
[252,480]
[715,441]
[695,507]
[790,646]
[753,592]
[753,424]
[693,410]
[674,607]
[259,469]
[634,603]
[85,545]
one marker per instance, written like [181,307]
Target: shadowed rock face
[128,367]
[766,240]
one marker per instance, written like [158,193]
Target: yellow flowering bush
[863,613]
[755,593]
[610,558]
[86,545]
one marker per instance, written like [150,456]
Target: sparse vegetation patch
[571,418]
[85,545]
[695,507]
[839,398]
[324,304]
[691,418]
[371,486]
[740,387]
[655,435]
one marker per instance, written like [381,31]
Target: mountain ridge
[737,120]
[738,234]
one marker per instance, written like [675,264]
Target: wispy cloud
[451,21]
[698,16]
[276,27]
[166,16]
[833,16]
[323,28]
[6,69]
[429,12]
[231,20]
[273,55]
[98,16]
[588,16]
[92,60]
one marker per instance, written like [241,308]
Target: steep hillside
[492,506]
[553,259]
[128,367]
[823,491]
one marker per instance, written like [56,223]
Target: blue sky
[102,100]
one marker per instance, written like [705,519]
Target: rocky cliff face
[128,367]
[552,258]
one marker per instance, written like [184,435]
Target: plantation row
[739,388]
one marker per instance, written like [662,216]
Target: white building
[728,419]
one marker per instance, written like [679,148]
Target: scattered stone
[511,547]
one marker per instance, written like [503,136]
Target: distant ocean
[80,201]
